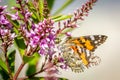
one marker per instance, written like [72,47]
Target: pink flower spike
[28,15]
[3,20]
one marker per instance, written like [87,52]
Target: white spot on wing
[92,37]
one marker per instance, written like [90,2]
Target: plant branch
[23,13]
[18,71]
[78,15]
[5,46]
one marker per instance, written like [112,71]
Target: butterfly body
[83,48]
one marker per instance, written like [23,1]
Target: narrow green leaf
[41,9]
[62,79]
[2,55]
[32,64]
[50,4]
[19,43]
[11,59]
[56,16]
[3,65]
[63,17]
[27,59]
[36,78]
[31,69]
[4,75]
[36,58]
[32,9]
[67,3]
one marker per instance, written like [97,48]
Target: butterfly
[78,52]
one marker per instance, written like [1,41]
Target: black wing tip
[104,37]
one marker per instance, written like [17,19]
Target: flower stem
[18,71]
[23,13]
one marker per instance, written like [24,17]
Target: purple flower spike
[2,8]
[42,52]
[43,44]
[34,41]
[28,14]
[3,20]
[43,35]
[3,32]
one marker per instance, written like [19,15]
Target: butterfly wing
[80,60]
[90,42]
[83,48]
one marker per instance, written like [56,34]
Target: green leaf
[2,55]
[11,59]
[67,3]
[19,43]
[32,9]
[56,16]
[35,78]
[4,75]
[37,10]
[61,17]
[3,66]
[41,9]
[32,64]
[62,79]
[50,4]
[27,59]
[36,58]
[31,69]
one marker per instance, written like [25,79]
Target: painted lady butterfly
[78,52]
